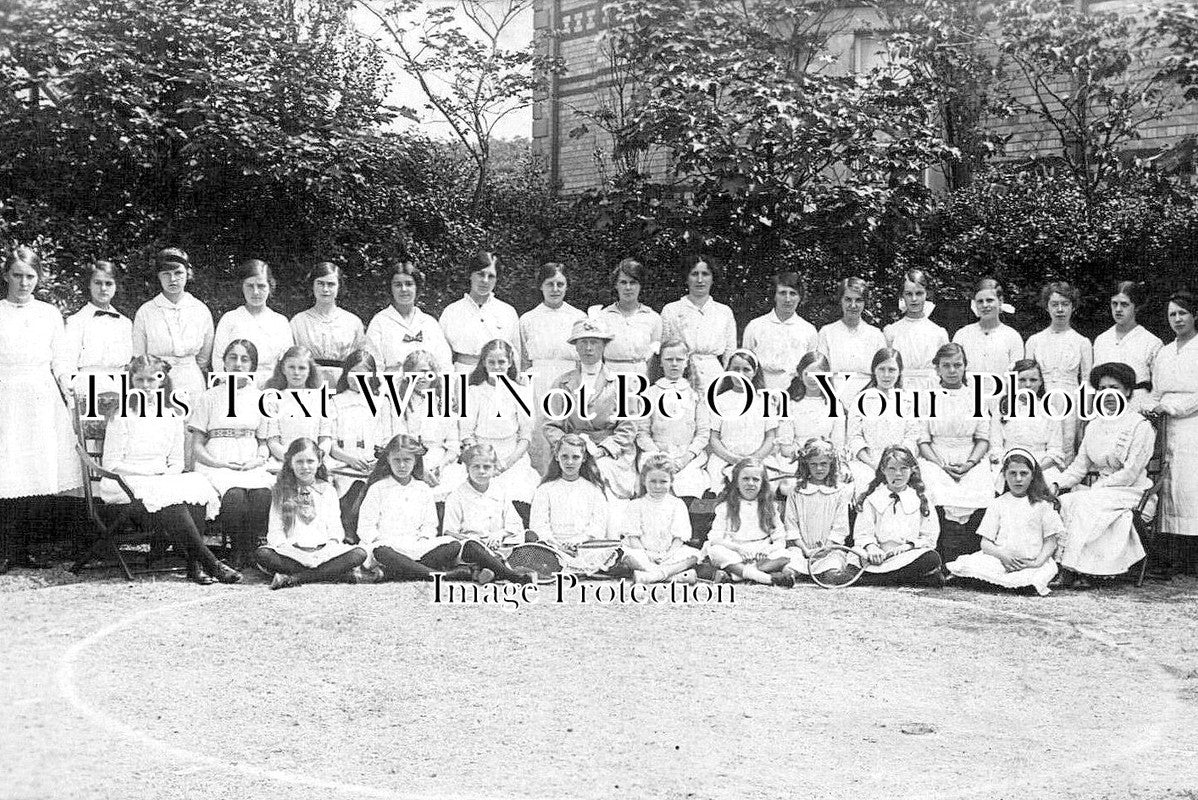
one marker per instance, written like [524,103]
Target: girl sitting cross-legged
[657,528]
[896,527]
[817,510]
[746,540]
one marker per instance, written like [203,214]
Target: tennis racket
[834,566]
[597,556]
[536,558]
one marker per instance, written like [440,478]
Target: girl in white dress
[330,332]
[305,542]
[479,316]
[896,528]
[990,345]
[683,432]
[850,343]
[35,436]
[656,528]
[1019,532]
[147,452]
[953,462]
[398,523]
[570,507]
[99,339]
[1100,538]
[746,539]
[781,337]
[1175,399]
[230,454]
[817,510]
[808,416]
[636,329]
[543,335]
[356,432]
[301,413]
[254,320]
[916,336]
[1127,341]
[882,416]
[1064,355]
[1016,427]
[429,419]
[402,328]
[707,326]
[736,432]
[175,326]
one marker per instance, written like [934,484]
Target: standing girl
[850,343]
[175,326]
[543,335]
[479,316]
[1019,532]
[146,449]
[683,430]
[990,345]
[817,510]
[35,437]
[707,326]
[298,414]
[781,337]
[305,542]
[330,332]
[896,529]
[569,507]
[914,335]
[738,432]
[477,509]
[1064,355]
[636,329]
[267,329]
[494,416]
[882,416]
[99,339]
[746,539]
[1127,341]
[657,527]
[230,454]
[402,328]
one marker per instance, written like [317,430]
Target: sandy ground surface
[163,689]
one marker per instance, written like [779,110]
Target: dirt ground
[160,688]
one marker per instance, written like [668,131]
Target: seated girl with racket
[817,509]
[657,528]
[398,523]
[1019,532]
[569,507]
[896,527]
[478,509]
[305,541]
[746,540]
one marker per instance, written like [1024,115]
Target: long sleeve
[702,436]
[455,515]
[865,532]
[621,439]
[174,457]
[538,519]
[370,514]
[330,513]
[729,336]
[141,343]
[117,440]
[597,524]
[840,519]
[72,344]
[1056,442]
[1077,471]
[60,363]
[1135,465]
[680,524]
[929,529]
[719,533]
[513,526]
[855,435]
[220,340]
[275,533]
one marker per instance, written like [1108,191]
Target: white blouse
[98,341]
[391,338]
[709,329]
[850,349]
[1064,357]
[268,330]
[917,340]
[489,514]
[750,529]
[569,512]
[993,350]
[543,334]
[468,326]
[1016,523]
[330,338]
[657,522]
[394,513]
[884,521]
[637,335]
[324,528]
[1137,349]
[779,344]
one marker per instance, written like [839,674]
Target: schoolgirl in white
[330,332]
[1019,532]
[707,326]
[305,542]
[254,320]
[493,416]
[570,507]
[914,335]
[636,329]
[656,528]
[99,338]
[683,432]
[896,528]
[398,524]
[817,509]
[1064,355]
[479,316]
[781,337]
[175,326]
[298,414]
[356,432]
[746,539]
[736,432]
[849,342]
[402,328]
[884,416]
[990,345]
[1016,427]
[229,453]
[477,509]
[1127,341]
[147,452]
[808,417]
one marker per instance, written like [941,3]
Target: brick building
[577,153]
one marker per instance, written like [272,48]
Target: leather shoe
[196,574]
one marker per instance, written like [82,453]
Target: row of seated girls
[690,346]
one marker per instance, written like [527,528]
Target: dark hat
[1114,369]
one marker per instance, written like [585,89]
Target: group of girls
[916,496]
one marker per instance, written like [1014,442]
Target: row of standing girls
[780,349]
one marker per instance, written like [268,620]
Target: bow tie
[894,496]
[113,314]
[419,337]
